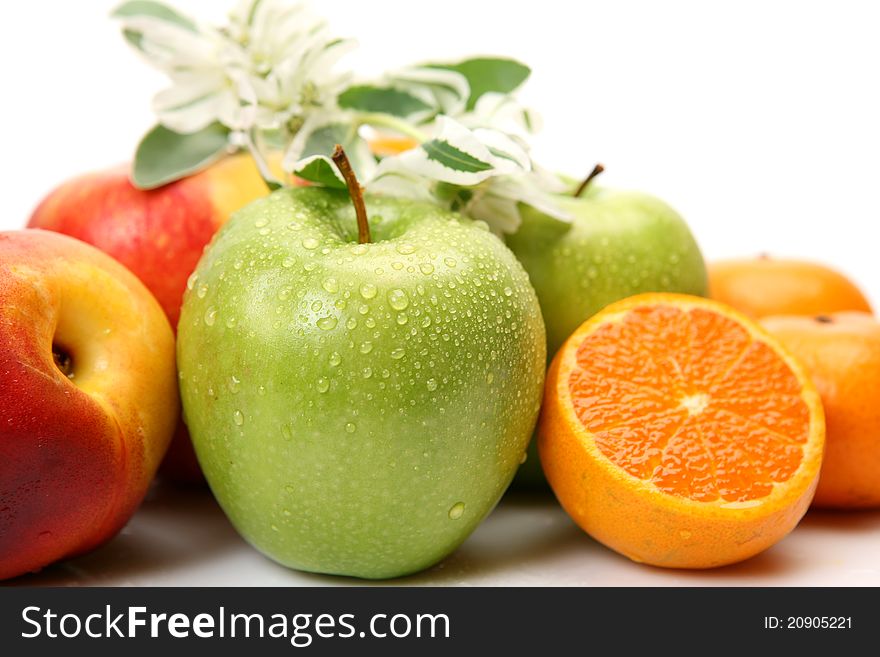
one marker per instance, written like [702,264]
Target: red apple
[158,234]
[88,397]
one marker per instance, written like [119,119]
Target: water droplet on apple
[370,322]
[524,457]
[456,511]
[490,378]
[674,258]
[331,285]
[294,225]
[191,281]
[363,309]
[350,427]
[202,291]
[262,221]
[432,384]
[326,323]
[450,262]
[309,266]
[317,304]
[402,318]
[335,359]
[286,432]
[238,418]
[507,292]
[351,323]
[234,385]
[284,294]
[289,488]
[426,268]
[397,299]
[274,528]
[310,243]
[398,353]
[426,321]
[210,316]
[368,290]
[265,231]
[359,249]
[405,249]
[368,372]
[323,384]
[366,347]
[230,322]
[288,262]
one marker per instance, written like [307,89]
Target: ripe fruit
[158,234]
[88,396]
[618,244]
[358,408]
[765,286]
[842,354]
[679,433]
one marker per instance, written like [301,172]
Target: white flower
[269,68]
[481,172]
[502,112]
[291,57]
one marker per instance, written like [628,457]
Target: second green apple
[618,244]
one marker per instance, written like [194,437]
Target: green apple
[358,408]
[619,243]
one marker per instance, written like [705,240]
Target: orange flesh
[691,402]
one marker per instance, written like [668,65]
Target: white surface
[757,120]
[181,538]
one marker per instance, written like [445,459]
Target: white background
[759,121]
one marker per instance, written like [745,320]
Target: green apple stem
[355,191]
[586,182]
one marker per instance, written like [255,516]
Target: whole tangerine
[842,354]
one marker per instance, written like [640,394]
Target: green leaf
[134,38]
[134,8]
[323,139]
[454,158]
[164,155]
[485,74]
[320,169]
[367,98]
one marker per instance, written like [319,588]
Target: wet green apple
[358,408]
[619,243]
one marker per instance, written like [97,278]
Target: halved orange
[679,433]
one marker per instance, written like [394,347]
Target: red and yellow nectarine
[88,397]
